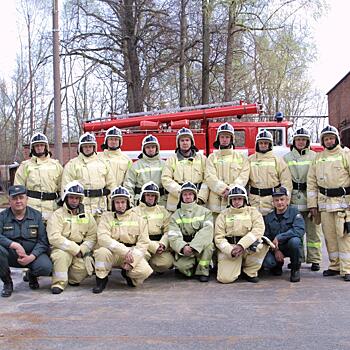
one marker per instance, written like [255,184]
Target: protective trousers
[197,263]
[66,268]
[160,262]
[230,268]
[337,242]
[105,260]
[313,241]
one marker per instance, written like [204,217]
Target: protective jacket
[121,233]
[157,218]
[290,225]
[94,174]
[225,168]
[267,171]
[178,170]
[242,226]
[329,170]
[191,224]
[72,233]
[142,171]
[299,164]
[42,175]
[30,232]
[118,162]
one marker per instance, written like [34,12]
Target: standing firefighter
[225,167]
[267,172]
[41,175]
[299,161]
[113,155]
[92,173]
[328,190]
[238,231]
[157,218]
[123,239]
[149,167]
[191,235]
[72,235]
[186,165]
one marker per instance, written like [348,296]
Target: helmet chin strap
[332,147]
[113,148]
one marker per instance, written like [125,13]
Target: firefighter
[299,160]
[41,175]
[123,239]
[328,191]
[191,235]
[113,155]
[157,218]
[225,167]
[147,168]
[238,232]
[92,173]
[267,172]
[72,235]
[23,241]
[186,165]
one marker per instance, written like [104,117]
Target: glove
[89,264]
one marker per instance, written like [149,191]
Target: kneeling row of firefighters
[197,191]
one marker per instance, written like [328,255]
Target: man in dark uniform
[285,227]
[23,241]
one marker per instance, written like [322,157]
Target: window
[278,136]
[239,138]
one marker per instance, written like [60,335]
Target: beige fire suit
[225,168]
[299,164]
[242,226]
[267,171]
[69,235]
[117,235]
[330,170]
[192,224]
[178,170]
[40,175]
[157,218]
[93,174]
[118,162]
[142,171]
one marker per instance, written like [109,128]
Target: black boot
[295,275]
[33,281]
[315,267]
[330,272]
[100,285]
[8,286]
[127,279]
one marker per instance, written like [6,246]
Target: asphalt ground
[169,312]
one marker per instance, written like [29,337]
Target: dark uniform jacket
[29,232]
[291,224]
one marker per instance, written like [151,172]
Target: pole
[57,84]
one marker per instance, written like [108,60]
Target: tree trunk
[206,51]
[183,39]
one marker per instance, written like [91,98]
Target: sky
[330,34]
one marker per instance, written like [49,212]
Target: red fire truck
[202,120]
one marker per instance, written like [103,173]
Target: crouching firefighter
[191,235]
[72,234]
[157,218]
[123,239]
[238,232]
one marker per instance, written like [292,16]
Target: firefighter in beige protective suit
[113,155]
[93,174]
[328,191]
[267,171]
[191,235]
[225,167]
[72,235]
[157,218]
[186,165]
[41,175]
[299,160]
[123,239]
[238,232]
[147,168]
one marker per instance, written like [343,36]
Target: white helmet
[227,128]
[330,130]
[87,139]
[150,140]
[73,187]
[120,191]
[263,135]
[302,132]
[237,191]
[38,138]
[184,132]
[113,132]
[149,187]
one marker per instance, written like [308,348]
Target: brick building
[339,108]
